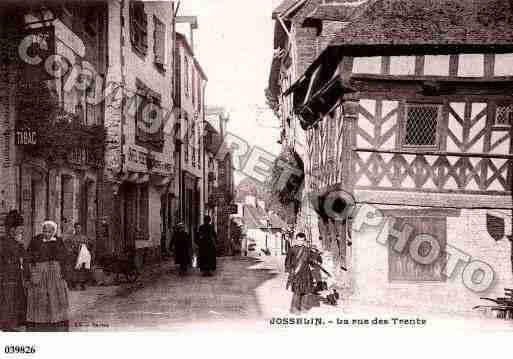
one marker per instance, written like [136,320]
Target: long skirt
[47,295]
[207,256]
[12,302]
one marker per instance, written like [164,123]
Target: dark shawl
[207,247]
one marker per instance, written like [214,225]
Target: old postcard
[271,165]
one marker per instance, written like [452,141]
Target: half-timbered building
[409,111]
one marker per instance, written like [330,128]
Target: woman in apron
[47,292]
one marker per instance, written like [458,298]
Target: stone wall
[467,232]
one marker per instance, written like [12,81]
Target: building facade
[413,120]
[190,84]
[53,63]
[223,193]
[140,166]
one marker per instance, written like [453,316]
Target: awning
[321,103]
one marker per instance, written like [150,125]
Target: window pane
[421,125]
[504,115]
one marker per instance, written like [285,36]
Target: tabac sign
[25,137]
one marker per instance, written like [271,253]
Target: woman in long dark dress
[12,293]
[300,280]
[182,248]
[79,276]
[47,292]
[207,247]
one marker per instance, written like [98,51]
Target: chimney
[193,25]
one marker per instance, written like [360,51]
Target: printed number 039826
[20,349]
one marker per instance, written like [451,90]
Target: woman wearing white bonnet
[47,292]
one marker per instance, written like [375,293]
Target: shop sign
[83,157]
[25,137]
[231,209]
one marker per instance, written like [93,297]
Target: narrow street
[243,289]
[246,293]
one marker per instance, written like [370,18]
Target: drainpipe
[123,84]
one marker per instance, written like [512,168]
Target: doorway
[38,202]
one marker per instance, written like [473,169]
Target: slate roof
[181,37]
[341,11]
[430,22]
[283,7]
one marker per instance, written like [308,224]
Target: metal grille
[504,115]
[421,125]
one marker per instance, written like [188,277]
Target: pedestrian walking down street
[81,249]
[48,272]
[12,293]
[182,248]
[207,238]
[300,280]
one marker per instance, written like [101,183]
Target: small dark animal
[124,265]
[333,297]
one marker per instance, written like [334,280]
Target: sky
[234,45]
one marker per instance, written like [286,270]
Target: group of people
[205,247]
[34,279]
[303,264]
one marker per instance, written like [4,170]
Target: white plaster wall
[468,233]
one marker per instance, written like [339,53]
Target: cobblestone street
[245,293]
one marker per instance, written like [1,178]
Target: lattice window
[504,115]
[421,125]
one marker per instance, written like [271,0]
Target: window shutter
[145,31]
[159,46]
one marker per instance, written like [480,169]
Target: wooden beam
[434,153]
[440,200]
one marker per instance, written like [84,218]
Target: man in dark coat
[300,281]
[12,293]
[182,248]
[207,247]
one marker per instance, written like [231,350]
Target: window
[193,143]
[90,114]
[421,124]
[403,266]
[193,83]
[199,93]
[159,44]
[91,22]
[186,153]
[504,115]
[186,73]
[138,27]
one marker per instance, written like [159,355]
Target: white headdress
[53,225]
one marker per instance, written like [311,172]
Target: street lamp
[268,232]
